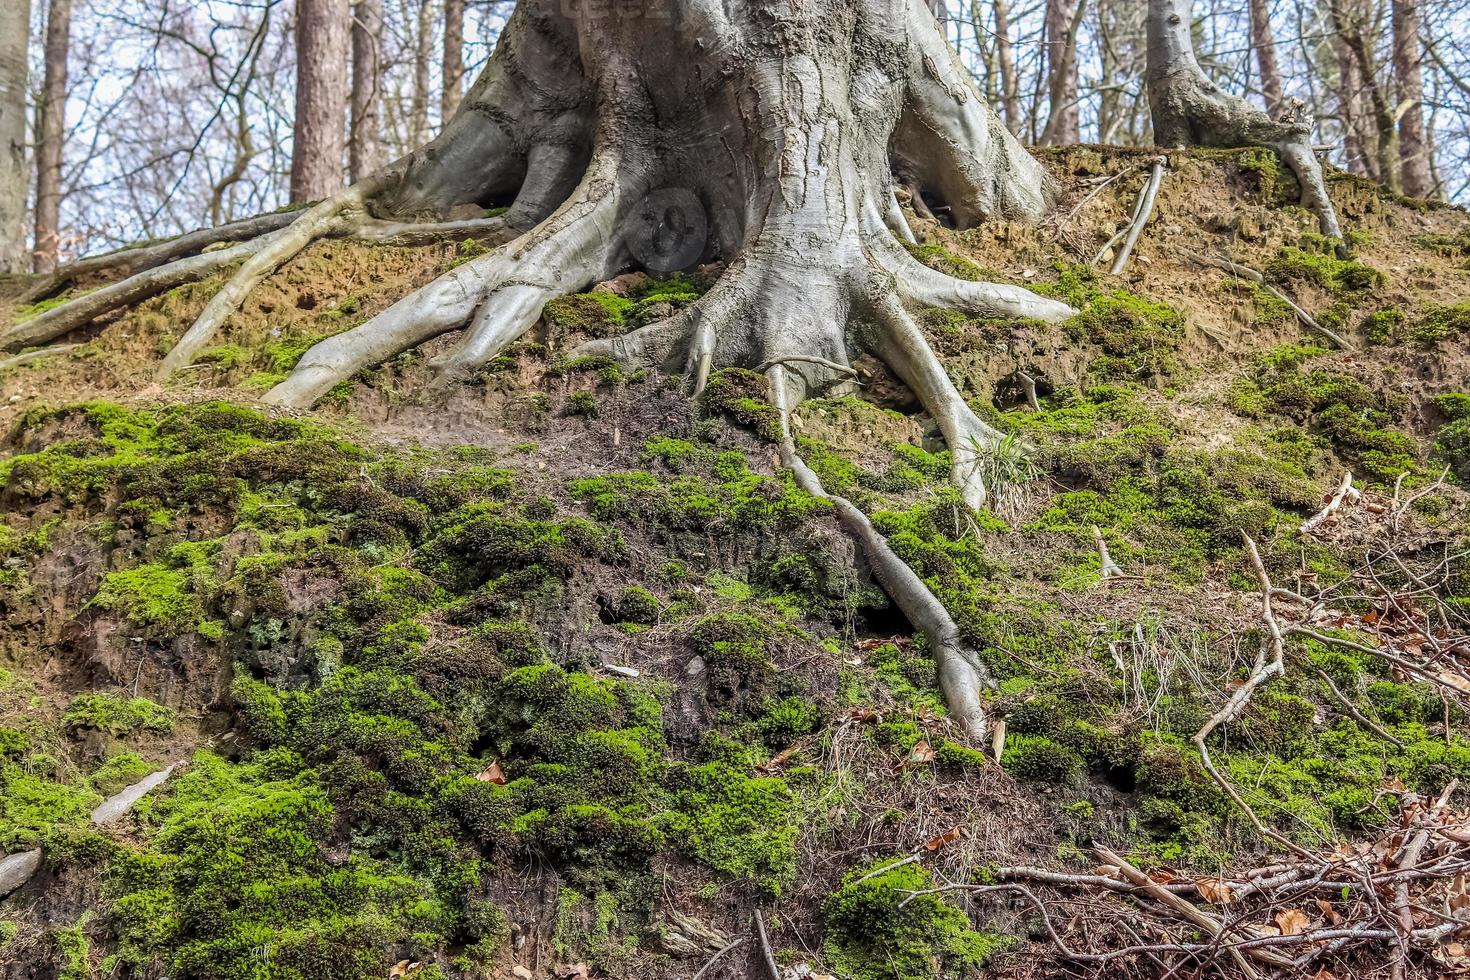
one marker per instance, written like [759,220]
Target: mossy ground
[397,641]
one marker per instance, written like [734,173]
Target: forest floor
[557,671]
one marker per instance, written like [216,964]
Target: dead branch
[1344,494]
[1142,213]
[1246,272]
[770,958]
[1110,569]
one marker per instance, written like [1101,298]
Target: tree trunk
[364,144]
[1408,54]
[15,32]
[1063,23]
[51,135]
[322,29]
[1350,112]
[1264,42]
[453,57]
[1010,94]
[1350,26]
[418,109]
[1190,110]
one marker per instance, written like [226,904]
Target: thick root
[136,259]
[334,215]
[499,295]
[961,675]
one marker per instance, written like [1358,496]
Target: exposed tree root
[1110,569]
[35,355]
[961,674]
[140,258]
[1190,110]
[1143,209]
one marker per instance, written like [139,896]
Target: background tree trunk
[1265,44]
[15,32]
[364,145]
[1063,22]
[418,109]
[453,58]
[1408,55]
[1350,112]
[321,98]
[1010,94]
[51,134]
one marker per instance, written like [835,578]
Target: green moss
[1039,759]
[33,806]
[119,772]
[1319,265]
[743,826]
[940,259]
[582,403]
[151,596]
[118,715]
[1138,337]
[1272,184]
[876,931]
[1438,324]
[638,605]
[742,396]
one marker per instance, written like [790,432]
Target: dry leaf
[574,971]
[923,752]
[1324,974]
[1328,912]
[780,759]
[948,837]
[1292,922]
[399,969]
[493,774]
[1215,891]
[864,715]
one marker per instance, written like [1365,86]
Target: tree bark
[1264,42]
[51,135]
[453,70]
[364,144]
[15,32]
[322,29]
[1063,23]
[1408,55]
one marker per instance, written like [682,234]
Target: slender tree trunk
[364,145]
[1063,23]
[15,32]
[322,28]
[418,110]
[1265,44]
[51,134]
[1010,95]
[1408,54]
[1350,112]
[453,57]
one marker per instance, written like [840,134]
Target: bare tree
[423,37]
[453,70]
[322,28]
[1357,31]
[15,32]
[364,144]
[1408,56]
[1264,43]
[51,134]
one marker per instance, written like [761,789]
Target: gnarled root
[961,674]
[1190,110]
